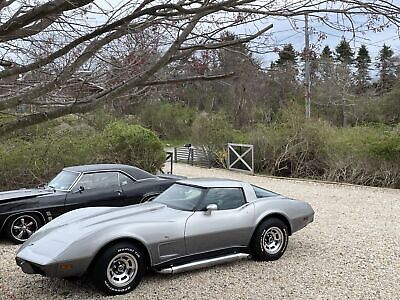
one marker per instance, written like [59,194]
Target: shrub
[133,144]
[30,162]
[170,121]
[289,149]
[213,130]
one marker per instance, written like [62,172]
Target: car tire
[270,240]
[119,269]
[19,228]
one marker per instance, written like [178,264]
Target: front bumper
[32,268]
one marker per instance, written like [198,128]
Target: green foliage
[134,145]
[326,53]
[385,53]
[387,68]
[213,130]
[296,147]
[292,147]
[168,120]
[363,56]
[344,53]
[29,162]
[287,55]
[363,61]
[385,109]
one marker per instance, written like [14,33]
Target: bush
[33,161]
[289,149]
[213,130]
[368,155]
[170,121]
[133,144]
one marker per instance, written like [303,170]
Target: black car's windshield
[63,180]
[182,197]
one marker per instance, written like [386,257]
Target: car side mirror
[210,208]
[81,189]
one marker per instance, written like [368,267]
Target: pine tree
[386,68]
[286,64]
[326,64]
[344,53]
[326,53]
[287,55]
[363,60]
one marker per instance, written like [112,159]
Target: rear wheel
[270,240]
[119,269]
[21,227]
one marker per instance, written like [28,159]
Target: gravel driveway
[352,250]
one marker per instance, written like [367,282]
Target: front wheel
[20,228]
[119,269]
[270,240]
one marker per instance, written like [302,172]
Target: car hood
[55,237]
[23,194]
[91,219]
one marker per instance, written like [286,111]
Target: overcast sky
[283,33]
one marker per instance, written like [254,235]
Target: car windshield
[63,180]
[182,197]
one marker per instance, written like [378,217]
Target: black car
[23,211]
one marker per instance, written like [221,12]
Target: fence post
[175,154]
[191,154]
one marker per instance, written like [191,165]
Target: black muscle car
[24,211]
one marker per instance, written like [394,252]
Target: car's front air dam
[31,268]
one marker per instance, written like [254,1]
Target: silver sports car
[194,223]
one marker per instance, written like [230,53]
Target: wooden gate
[241,157]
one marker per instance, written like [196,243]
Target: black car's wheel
[119,269]
[20,228]
[270,240]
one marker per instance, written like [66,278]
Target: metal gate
[241,157]
[198,156]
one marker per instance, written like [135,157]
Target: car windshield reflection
[181,197]
[63,180]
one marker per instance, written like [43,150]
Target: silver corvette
[194,223]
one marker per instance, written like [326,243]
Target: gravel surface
[352,250]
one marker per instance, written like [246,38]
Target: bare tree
[59,39]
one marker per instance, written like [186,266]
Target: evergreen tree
[344,53]
[326,53]
[363,60]
[386,68]
[286,63]
[287,55]
[326,64]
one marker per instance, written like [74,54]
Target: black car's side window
[98,180]
[125,180]
[224,198]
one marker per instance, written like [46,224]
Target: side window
[262,193]
[224,198]
[98,180]
[125,180]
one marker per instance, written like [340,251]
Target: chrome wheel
[23,227]
[122,269]
[272,240]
